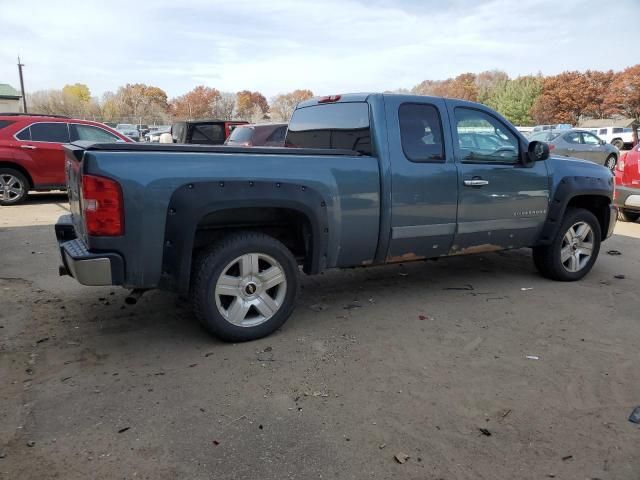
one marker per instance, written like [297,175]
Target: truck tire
[628,215]
[14,187]
[244,287]
[574,250]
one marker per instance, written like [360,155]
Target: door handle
[476,182]
[28,147]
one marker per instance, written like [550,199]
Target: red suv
[31,155]
[627,193]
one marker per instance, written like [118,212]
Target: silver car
[579,143]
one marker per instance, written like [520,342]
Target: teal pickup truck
[365,179]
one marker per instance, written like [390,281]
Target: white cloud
[326,45]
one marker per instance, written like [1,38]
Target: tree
[79,91]
[62,102]
[198,103]
[515,99]
[133,102]
[490,84]
[224,106]
[251,106]
[462,87]
[283,105]
[624,97]
[598,85]
[562,99]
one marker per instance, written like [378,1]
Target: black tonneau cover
[78,147]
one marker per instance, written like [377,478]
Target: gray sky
[327,46]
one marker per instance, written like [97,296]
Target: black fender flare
[568,188]
[191,202]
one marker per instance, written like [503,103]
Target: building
[607,122]
[10,99]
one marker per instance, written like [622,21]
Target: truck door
[501,204]
[424,185]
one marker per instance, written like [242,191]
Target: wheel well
[596,204]
[289,226]
[5,164]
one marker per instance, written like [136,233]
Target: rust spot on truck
[484,248]
[407,257]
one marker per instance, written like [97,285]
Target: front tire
[628,215]
[14,187]
[244,287]
[574,250]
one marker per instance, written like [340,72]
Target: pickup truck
[364,179]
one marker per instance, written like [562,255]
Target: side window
[617,129]
[483,138]
[278,135]
[421,132]
[590,139]
[92,134]
[207,133]
[50,132]
[572,137]
[24,134]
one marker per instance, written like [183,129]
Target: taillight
[102,206]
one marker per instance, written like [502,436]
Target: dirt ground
[428,360]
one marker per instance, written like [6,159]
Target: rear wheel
[610,162]
[575,249]
[14,187]
[245,286]
[618,143]
[628,215]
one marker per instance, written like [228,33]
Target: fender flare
[191,202]
[568,188]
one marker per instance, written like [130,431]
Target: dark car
[203,132]
[579,143]
[261,134]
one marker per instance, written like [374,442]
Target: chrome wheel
[11,188]
[250,290]
[577,247]
[610,163]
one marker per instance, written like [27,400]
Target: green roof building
[10,99]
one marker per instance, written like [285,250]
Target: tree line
[525,100]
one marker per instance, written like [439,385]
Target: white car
[616,136]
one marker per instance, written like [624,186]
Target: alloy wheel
[577,247]
[11,188]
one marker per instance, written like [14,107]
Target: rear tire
[628,215]
[14,187]
[610,162]
[574,250]
[244,287]
[618,143]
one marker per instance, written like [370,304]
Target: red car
[31,155]
[627,192]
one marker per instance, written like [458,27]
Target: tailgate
[73,174]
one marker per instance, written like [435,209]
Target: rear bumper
[88,268]
[627,198]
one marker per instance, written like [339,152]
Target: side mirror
[537,151]
[602,142]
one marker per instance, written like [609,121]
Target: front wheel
[244,287]
[14,187]
[574,250]
[628,215]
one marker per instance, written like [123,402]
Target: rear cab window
[331,126]
[421,132]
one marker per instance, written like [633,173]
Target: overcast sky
[327,46]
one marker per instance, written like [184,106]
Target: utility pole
[24,98]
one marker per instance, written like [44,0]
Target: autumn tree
[516,97]
[283,105]
[224,106]
[198,103]
[463,87]
[596,89]
[624,97]
[79,91]
[135,101]
[64,102]
[252,106]
[490,84]
[562,99]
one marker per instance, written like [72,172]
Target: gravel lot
[428,360]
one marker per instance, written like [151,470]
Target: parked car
[261,134]
[579,143]
[542,128]
[367,179]
[154,133]
[143,129]
[31,155]
[203,132]
[627,193]
[129,130]
[617,136]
